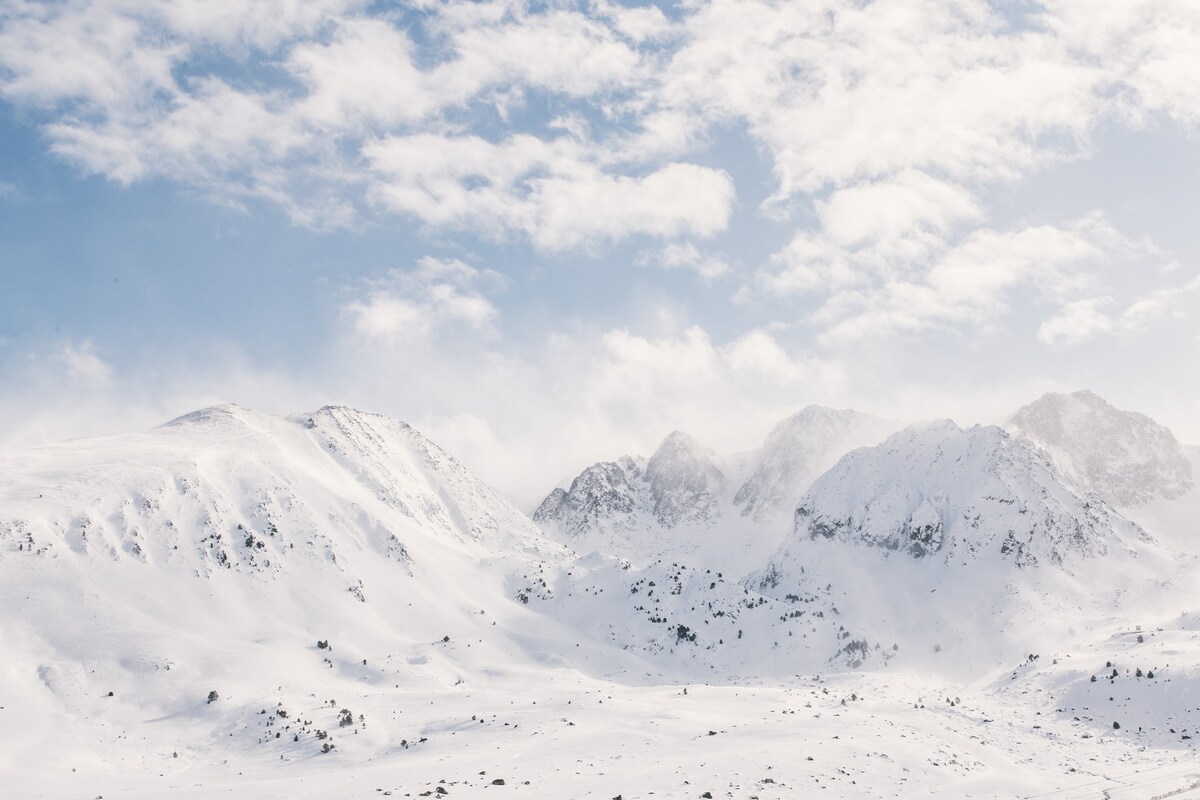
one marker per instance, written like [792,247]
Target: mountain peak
[1123,456]
[686,484]
[681,442]
[220,414]
[938,489]
[681,484]
[800,448]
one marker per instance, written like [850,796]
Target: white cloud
[552,191]
[1077,322]
[560,51]
[1147,48]
[969,282]
[840,92]
[134,91]
[893,116]
[685,255]
[364,76]
[892,208]
[410,305]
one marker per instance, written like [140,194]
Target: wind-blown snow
[797,451]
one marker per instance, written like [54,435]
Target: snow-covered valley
[329,605]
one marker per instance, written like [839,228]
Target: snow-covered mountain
[682,483]
[1125,457]
[687,502]
[236,599]
[936,490]
[212,554]
[797,451]
[943,534]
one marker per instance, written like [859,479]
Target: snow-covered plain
[329,605]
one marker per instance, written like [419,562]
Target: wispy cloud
[410,305]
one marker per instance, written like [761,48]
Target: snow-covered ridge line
[938,490]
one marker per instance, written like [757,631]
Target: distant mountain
[685,497]
[1125,457]
[797,451]
[681,484]
[961,542]
[936,490]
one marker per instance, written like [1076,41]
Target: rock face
[686,485]
[938,491]
[609,492]
[681,484]
[1125,457]
[797,451]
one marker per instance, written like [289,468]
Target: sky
[547,234]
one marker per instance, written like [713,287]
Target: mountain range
[199,588]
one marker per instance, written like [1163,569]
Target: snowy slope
[797,451]
[215,552]
[936,490]
[965,544]
[1125,457]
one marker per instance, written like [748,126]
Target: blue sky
[551,233]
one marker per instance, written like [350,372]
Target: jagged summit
[607,493]
[798,450]
[686,484]
[681,484]
[689,484]
[936,490]
[1125,457]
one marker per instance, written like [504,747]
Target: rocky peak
[685,482]
[1125,457]
[940,490]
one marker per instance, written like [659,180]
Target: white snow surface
[338,580]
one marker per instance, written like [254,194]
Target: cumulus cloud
[888,117]
[685,255]
[844,92]
[893,208]
[969,283]
[551,190]
[1076,322]
[313,109]
[411,305]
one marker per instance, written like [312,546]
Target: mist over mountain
[1123,456]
